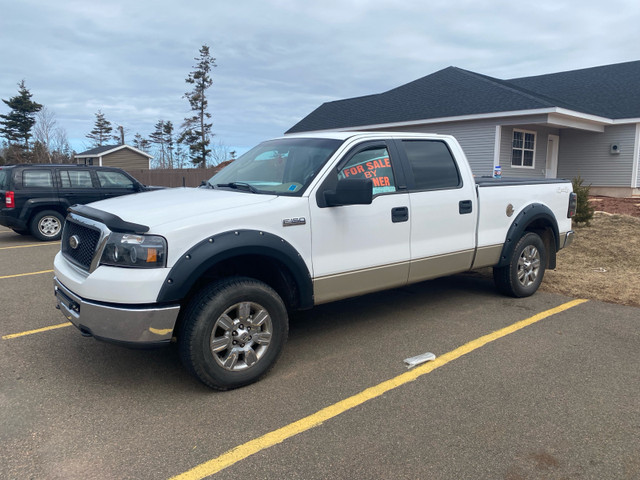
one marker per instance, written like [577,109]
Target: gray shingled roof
[611,91]
[98,150]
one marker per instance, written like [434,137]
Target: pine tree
[17,124]
[169,141]
[157,138]
[141,143]
[195,130]
[101,132]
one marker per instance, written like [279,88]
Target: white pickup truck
[296,222]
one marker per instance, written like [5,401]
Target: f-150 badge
[290,222]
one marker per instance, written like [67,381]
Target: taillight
[9,200]
[573,205]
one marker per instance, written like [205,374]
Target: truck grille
[86,241]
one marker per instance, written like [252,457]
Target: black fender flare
[217,248]
[529,215]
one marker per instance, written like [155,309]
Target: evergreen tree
[196,131]
[17,124]
[101,132]
[141,143]
[169,141]
[157,138]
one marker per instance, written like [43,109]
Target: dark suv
[34,198]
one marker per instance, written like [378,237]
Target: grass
[603,263]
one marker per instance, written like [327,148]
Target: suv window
[3,178]
[373,163]
[75,179]
[114,180]
[37,178]
[432,164]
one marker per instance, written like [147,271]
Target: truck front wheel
[524,273]
[234,331]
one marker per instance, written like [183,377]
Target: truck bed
[510,181]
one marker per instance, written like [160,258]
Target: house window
[524,149]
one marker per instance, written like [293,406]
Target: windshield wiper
[239,186]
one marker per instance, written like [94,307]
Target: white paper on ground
[417,360]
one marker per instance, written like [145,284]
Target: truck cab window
[432,165]
[372,163]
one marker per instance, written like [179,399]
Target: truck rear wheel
[234,331]
[47,225]
[524,273]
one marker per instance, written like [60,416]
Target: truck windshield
[284,166]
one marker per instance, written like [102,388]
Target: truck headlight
[131,250]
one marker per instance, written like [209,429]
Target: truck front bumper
[132,325]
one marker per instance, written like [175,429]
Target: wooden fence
[183,177]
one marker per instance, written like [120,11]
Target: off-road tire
[227,311]
[525,271]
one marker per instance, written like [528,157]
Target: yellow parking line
[37,330]
[278,436]
[57,244]
[26,274]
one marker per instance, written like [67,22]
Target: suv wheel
[47,225]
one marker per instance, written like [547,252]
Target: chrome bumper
[147,325]
[568,239]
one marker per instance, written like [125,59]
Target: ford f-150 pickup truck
[296,222]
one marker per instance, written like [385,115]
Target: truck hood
[163,206]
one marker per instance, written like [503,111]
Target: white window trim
[535,140]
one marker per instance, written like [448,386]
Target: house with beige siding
[577,123]
[121,156]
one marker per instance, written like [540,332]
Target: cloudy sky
[280,59]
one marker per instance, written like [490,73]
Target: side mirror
[352,191]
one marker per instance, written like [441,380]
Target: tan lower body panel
[487,256]
[360,282]
[350,284]
[440,265]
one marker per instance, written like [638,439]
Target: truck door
[443,207]
[358,249]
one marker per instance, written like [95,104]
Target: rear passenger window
[75,179]
[37,178]
[432,164]
[114,180]
[373,163]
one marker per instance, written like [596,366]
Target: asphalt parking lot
[554,397]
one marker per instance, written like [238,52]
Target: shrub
[584,210]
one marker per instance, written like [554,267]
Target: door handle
[465,206]
[399,214]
